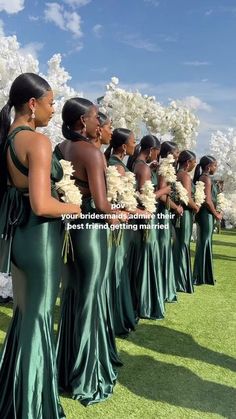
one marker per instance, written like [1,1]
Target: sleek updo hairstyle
[72,111]
[119,137]
[23,88]
[184,156]
[204,162]
[168,147]
[146,144]
[103,119]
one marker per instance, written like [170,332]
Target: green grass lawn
[180,367]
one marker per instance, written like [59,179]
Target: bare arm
[185,179]
[143,173]
[97,186]
[164,198]
[42,203]
[208,200]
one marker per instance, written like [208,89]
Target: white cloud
[67,21]
[32,48]
[133,40]
[77,3]
[73,23]
[195,103]
[54,13]
[153,2]
[97,30]
[196,63]
[11,6]
[33,18]
[1,28]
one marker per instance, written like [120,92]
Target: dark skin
[88,161]
[125,149]
[178,209]
[34,151]
[143,173]
[128,149]
[210,169]
[184,177]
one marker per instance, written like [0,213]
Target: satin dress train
[86,351]
[203,263]
[28,376]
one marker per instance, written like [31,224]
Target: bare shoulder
[39,145]
[206,179]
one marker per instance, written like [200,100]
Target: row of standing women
[106,287]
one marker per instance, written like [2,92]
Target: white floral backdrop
[131,110]
[223,147]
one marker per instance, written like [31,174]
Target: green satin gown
[149,278]
[124,316]
[181,251]
[166,255]
[203,263]
[28,377]
[86,351]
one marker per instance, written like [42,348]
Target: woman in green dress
[183,230]
[122,144]
[85,365]
[103,138]
[164,234]
[149,283]
[203,265]
[31,235]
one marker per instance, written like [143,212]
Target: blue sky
[180,49]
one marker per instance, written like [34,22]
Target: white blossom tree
[223,148]
[13,62]
[132,110]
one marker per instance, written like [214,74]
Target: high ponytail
[147,143]
[197,173]
[107,153]
[72,111]
[5,123]
[68,133]
[132,158]
[23,88]
[168,147]
[184,156]
[204,162]
[119,137]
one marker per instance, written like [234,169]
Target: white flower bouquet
[182,193]
[128,195]
[147,197]
[221,202]
[167,170]
[66,186]
[114,184]
[199,195]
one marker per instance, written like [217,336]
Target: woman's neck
[142,156]
[118,156]
[96,142]
[23,120]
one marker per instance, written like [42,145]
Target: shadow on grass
[176,385]
[228,232]
[172,342]
[5,319]
[222,243]
[223,257]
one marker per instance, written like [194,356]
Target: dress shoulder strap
[10,140]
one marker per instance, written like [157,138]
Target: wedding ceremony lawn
[180,367]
